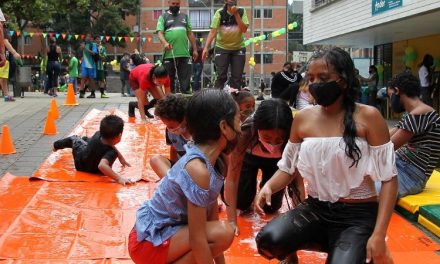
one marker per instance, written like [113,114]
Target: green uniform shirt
[175,29]
[102,54]
[229,37]
[73,67]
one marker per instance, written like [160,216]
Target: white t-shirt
[423,76]
[2,17]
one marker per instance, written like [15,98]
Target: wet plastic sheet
[139,142]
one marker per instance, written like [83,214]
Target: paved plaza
[26,119]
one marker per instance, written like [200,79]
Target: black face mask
[325,94]
[370,72]
[396,105]
[174,9]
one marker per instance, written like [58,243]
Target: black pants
[53,72]
[340,229]
[78,146]
[425,93]
[125,86]
[134,104]
[184,70]
[247,187]
[229,58]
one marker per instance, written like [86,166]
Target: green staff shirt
[229,37]
[175,29]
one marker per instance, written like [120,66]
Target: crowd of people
[354,166]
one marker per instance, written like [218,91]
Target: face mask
[270,147]
[370,72]
[325,94]
[396,105]
[174,9]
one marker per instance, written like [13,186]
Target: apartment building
[393,28]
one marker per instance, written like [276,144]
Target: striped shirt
[423,150]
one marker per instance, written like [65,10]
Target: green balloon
[295,24]
[437,62]
[282,31]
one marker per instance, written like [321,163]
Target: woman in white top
[339,148]
[425,74]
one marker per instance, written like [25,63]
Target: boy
[97,154]
[171,110]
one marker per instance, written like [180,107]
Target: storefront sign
[380,6]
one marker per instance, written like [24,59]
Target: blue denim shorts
[411,179]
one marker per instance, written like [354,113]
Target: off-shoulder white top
[322,162]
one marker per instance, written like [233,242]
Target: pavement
[26,119]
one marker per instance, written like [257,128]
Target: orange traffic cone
[6,145]
[50,128]
[54,108]
[70,98]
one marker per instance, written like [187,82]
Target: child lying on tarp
[98,153]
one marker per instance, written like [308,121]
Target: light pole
[251,69]
[139,12]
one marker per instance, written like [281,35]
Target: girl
[425,75]
[415,137]
[260,147]
[304,98]
[246,103]
[180,223]
[146,78]
[339,147]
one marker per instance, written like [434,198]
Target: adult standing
[425,75]
[99,60]
[53,66]
[124,73]
[197,67]
[8,69]
[174,31]
[88,66]
[227,27]
[372,81]
[73,71]
[2,47]
[285,83]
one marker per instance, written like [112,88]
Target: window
[27,40]
[267,13]
[267,58]
[258,33]
[157,14]
[156,39]
[200,19]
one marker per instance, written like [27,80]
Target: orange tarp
[82,219]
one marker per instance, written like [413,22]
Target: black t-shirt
[88,160]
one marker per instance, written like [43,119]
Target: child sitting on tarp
[98,153]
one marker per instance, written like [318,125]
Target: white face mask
[270,147]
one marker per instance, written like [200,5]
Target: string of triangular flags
[70,37]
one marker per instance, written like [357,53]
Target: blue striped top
[161,217]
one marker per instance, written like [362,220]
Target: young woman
[180,223]
[146,78]
[339,147]
[228,27]
[416,137]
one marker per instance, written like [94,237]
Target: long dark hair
[342,63]
[204,112]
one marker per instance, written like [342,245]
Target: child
[171,110]
[246,103]
[97,154]
[304,98]
[180,223]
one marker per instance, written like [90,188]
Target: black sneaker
[91,96]
[81,95]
